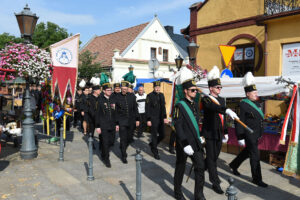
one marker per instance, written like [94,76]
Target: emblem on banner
[64,56]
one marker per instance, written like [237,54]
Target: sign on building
[291,59]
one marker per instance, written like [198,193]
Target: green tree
[5,38]
[87,66]
[46,35]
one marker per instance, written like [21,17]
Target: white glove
[241,142]
[231,114]
[225,140]
[202,140]
[188,150]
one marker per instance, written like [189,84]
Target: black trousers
[250,151]
[77,117]
[131,131]
[107,139]
[157,135]
[172,140]
[143,123]
[213,149]
[124,133]
[199,168]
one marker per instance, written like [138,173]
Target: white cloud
[153,7]
[66,18]
[8,22]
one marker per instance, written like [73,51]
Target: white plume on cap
[248,79]
[213,74]
[95,81]
[82,83]
[185,74]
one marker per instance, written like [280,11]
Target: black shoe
[156,156]
[107,164]
[217,189]
[150,144]
[171,150]
[201,197]
[234,170]
[179,197]
[124,160]
[260,183]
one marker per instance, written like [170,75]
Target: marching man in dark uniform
[92,108]
[126,114]
[252,115]
[156,117]
[84,108]
[188,140]
[106,122]
[214,126]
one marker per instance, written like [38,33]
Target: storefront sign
[238,54]
[291,59]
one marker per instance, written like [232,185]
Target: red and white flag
[293,108]
[64,56]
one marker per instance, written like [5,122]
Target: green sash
[253,105]
[192,118]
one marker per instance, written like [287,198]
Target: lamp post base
[28,155]
[28,149]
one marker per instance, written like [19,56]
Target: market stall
[281,133]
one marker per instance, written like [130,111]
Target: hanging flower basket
[27,60]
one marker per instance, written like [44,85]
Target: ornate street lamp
[192,50]
[27,21]
[178,62]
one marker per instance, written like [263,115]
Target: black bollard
[231,190]
[61,145]
[138,159]
[90,170]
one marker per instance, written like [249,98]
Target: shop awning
[266,86]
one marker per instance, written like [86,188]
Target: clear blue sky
[90,17]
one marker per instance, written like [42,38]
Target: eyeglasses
[193,90]
[218,87]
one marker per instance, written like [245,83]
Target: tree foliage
[87,66]
[6,38]
[48,34]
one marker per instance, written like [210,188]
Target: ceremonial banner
[292,161]
[64,56]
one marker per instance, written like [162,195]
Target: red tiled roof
[105,44]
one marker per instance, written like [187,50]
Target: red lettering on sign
[293,53]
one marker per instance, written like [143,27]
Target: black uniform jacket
[77,101]
[106,113]
[155,107]
[92,107]
[185,132]
[126,109]
[251,117]
[212,126]
[84,103]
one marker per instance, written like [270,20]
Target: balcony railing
[278,6]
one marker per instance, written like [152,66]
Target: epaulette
[206,100]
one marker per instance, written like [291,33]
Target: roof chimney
[116,53]
[170,29]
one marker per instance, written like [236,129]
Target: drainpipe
[265,51]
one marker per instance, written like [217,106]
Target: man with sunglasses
[214,127]
[106,122]
[188,140]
